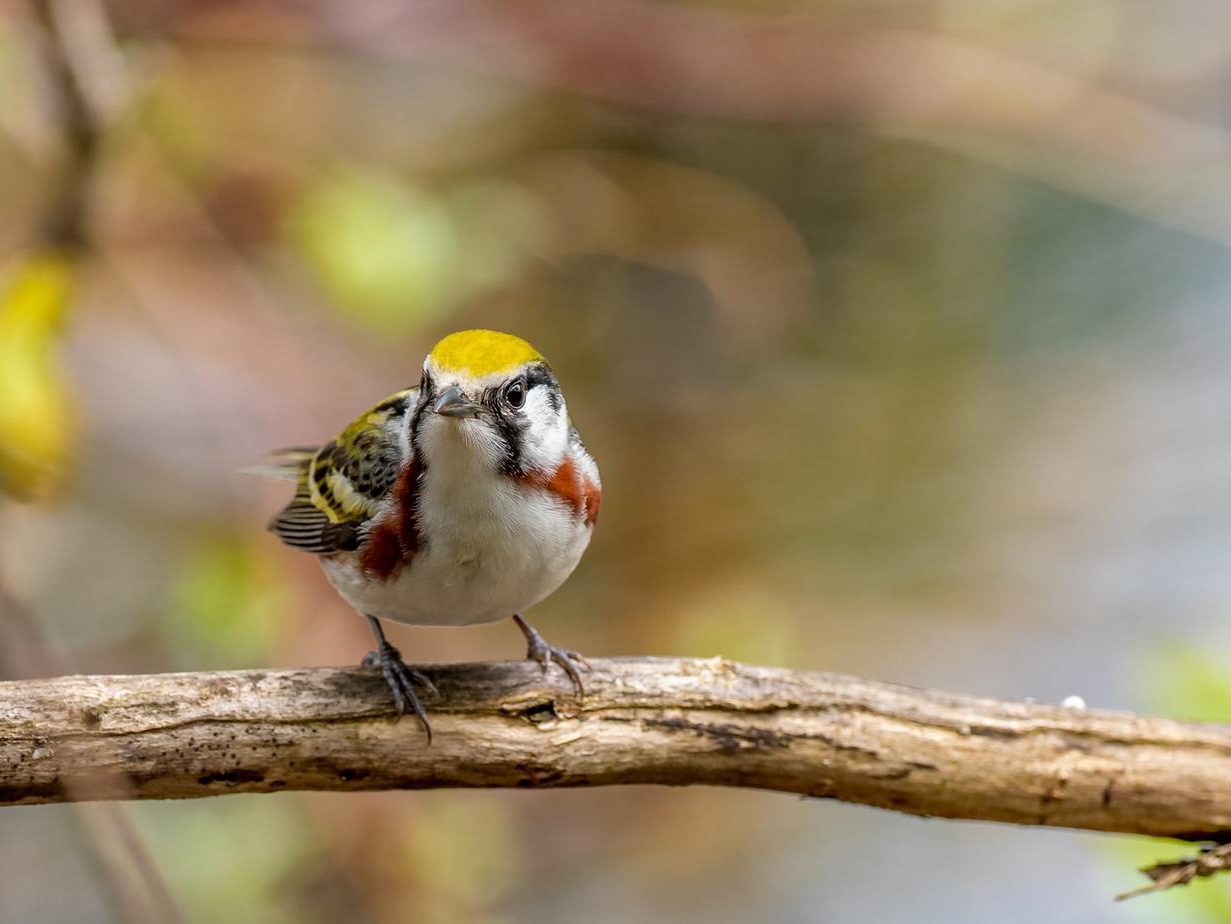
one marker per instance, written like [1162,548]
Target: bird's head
[491,397]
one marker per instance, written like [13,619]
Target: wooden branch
[65,224]
[670,721]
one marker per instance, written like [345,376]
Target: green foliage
[228,603]
[741,622]
[234,859]
[1182,682]
[180,129]
[1188,683]
[384,251]
[395,257]
[465,852]
[502,225]
[1204,901]
[9,65]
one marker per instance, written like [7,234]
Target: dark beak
[454,403]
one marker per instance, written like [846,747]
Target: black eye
[515,393]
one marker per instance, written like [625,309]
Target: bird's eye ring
[515,393]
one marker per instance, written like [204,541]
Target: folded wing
[342,485]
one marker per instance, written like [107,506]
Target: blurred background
[899,329]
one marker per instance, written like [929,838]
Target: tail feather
[289,464]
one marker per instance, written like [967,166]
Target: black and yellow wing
[341,485]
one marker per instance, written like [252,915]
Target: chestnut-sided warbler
[466,499]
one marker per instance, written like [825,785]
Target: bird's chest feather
[489,547]
[480,521]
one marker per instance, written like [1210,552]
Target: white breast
[491,547]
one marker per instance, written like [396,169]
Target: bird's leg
[537,649]
[399,676]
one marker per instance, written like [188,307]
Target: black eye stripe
[539,375]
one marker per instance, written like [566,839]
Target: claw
[402,680]
[537,649]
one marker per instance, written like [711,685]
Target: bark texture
[668,721]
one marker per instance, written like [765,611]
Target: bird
[462,500]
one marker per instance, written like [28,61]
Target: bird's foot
[402,680]
[537,649]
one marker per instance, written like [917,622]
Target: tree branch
[1168,875]
[671,721]
[65,224]
[644,720]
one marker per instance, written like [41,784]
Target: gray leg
[399,676]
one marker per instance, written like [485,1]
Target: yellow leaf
[35,414]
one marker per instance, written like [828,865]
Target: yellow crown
[482,352]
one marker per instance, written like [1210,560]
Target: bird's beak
[454,403]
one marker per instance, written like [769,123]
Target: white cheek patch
[545,439]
